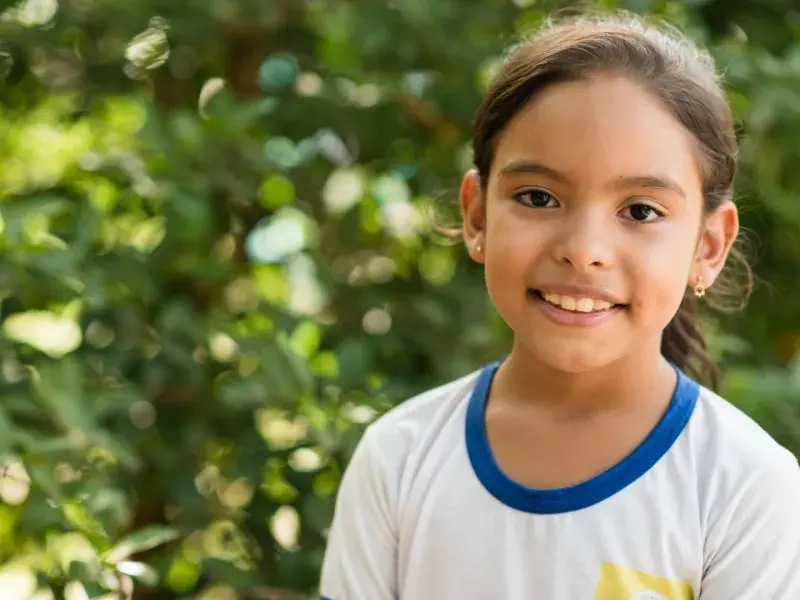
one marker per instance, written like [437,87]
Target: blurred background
[218,263]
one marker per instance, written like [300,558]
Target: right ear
[473,215]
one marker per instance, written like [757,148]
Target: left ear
[720,229]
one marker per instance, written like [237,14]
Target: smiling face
[590,223]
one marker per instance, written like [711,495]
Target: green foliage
[218,262]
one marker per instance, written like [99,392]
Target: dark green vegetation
[208,285]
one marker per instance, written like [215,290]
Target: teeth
[577,304]
[601,305]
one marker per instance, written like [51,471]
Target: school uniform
[706,507]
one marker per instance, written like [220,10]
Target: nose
[585,242]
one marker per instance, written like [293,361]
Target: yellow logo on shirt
[619,583]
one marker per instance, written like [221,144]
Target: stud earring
[479,248]
[699,287]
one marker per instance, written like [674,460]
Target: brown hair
[669,65]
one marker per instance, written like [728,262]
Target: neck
[522,378]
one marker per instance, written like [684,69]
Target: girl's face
[593,225]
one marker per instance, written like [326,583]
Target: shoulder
[398,432]
[744,474]
[749,492]
[397,436]
[734,441]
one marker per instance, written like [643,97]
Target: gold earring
[699,288]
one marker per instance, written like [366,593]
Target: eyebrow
[650,182]
[653,182]
[524,166]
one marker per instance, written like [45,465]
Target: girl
[587,464]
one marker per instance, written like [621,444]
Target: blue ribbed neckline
[589,492]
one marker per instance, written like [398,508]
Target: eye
[536,199]
[642,213]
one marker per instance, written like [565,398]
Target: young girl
[586,465]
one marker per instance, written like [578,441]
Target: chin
[570,356]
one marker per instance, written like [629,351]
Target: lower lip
[575,318]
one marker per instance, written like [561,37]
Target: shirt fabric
[707,507]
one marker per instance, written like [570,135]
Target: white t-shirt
[707,507]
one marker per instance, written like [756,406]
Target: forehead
[600,128]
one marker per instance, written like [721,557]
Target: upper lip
[580,291]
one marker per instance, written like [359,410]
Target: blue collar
[585,494]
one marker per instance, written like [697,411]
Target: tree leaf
[60,387]
[7,434]
[142,572]
[139,541]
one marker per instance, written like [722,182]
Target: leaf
[16,213]
[123,453]
[276,191]
[79,516]
[60,386]
[142,572]
[139,541]
[45,445]
[7,433]
[44,479]
[53,334]
[88,578]
[305,339]
[354,359]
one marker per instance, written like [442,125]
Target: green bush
[218,262]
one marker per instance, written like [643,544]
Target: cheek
[513,246]
[660,278]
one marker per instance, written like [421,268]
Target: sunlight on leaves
[210,89]
[148,50]
[140,571]
[305,460]
[287,232]
[342,190]
[15,483]
[182,574]
[377,321]
[48,332]
[17,582]
[32,13]
[285,527]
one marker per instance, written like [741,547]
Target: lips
[577,297]
[575,310]
[575,303]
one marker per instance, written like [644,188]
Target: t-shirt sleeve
[361,556]
[756,540]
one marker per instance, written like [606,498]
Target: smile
[575,304]
[565,309]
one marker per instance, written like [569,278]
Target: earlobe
[720,230]
[473,215]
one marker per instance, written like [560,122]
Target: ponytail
[682,342]
[683,345]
